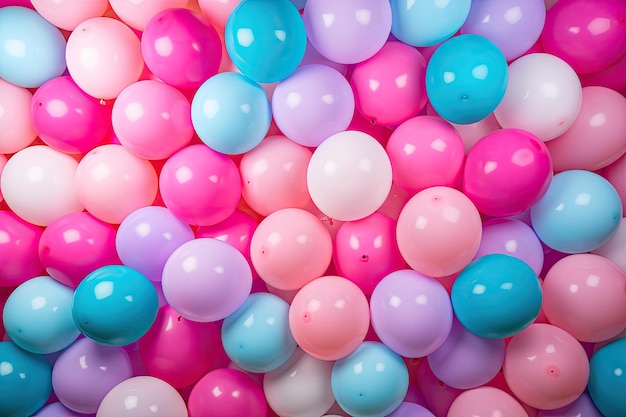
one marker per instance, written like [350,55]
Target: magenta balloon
[19,260]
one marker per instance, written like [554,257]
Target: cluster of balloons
[312,208]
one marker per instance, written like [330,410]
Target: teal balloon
[32,50]
[257,337]
[115,305]
[607,379]
[496,296]
[265,39]
[466,78]
[25,381]
[37,316]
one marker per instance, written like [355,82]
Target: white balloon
[615,249]
[543,96]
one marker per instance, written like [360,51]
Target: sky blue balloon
[38,316]
[256,337]
[466,79]
[115,305]
[32,50]
[580,212]
[427,22]
[265,39]
[231,113]
[607,379]
[371,381]
[25,381]
[496,296]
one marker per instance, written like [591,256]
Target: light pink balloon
[67,14]
[15,123]
[486,402]
[137,13]
[217,11]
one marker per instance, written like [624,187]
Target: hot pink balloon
[19,260]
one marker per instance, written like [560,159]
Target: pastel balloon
[580,212]
[466,79]
[427,23]
[19,260]
[606,382]
[485,402]
[86,371]
[614,173]
[67,14]
[217,11]
[15,120]
[409,409]
[362,25]
[582,406]
[438,231]
[543,96]
[38,184]
[206,279]
[103,57]
[546,367]
[110,173]
[349,176]
[137,13]
[614,248]
[57,409]
[147,394]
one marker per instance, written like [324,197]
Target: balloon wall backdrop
[308,208]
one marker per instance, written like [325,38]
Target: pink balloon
[439,231]
[15,122]
[67,14]
[217,11]
[19,260]
[546,367]
[486,402]
[137,13]
[390,87]
[329,317]
[611,77]
[395,201]
[425,151]
[616,175]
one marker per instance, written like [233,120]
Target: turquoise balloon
[371,381]
[25,381]
[265,39]
[607,379]
[231,113]
[256,337]
[496,296]
[580,212]
[466,79]
[38,316]
[32,50]
[115,305]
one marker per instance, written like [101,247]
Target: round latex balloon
[409,409]
[582,406]
[484,402]
[19,260]
[67,14]
[137,13]
[57,409]
[614,248]
[606,380]
[15,119]
[217,11]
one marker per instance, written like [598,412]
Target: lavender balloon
[407,409]
[58,410]
[582,407]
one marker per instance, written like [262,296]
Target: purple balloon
[58,410]
[407,409]
[514,238]
[582,407]
[411,313]
[86,371]
[513,25]
[148,236]
[465,360]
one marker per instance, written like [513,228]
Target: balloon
[372,380]
[33,50]
[438,231]
[546,367]
[609,77]
[614,173]
[24,382]
[425,151]
[38,184]
[427,23]
[437,395]
[466,79]
[486,402]
[600,116]
[15,121]
[146,395]
[103,57]
[239,395]
[57,409]
[311,56]
[3,162]
[411,313]
[230,113]
[181,48]
[543,96]
[582,406]
[206,280]
[217,11]
[363,27]
[606,382]
[67,14]
[137,13]
[110,173]
[473,132]
[496,296]
[580,212]
[613,250]
[509,163]
[19,260]
[114,305]
[329,318]
[86,371]
[408,409]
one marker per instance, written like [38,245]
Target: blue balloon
[115,305]
[265,39]
[371,381]
[257,337]
[38,316]
[580,212]
[32,50]
[427,22]
[607,379]
[231,113]
[496,296]
[466,79]
[25,381]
